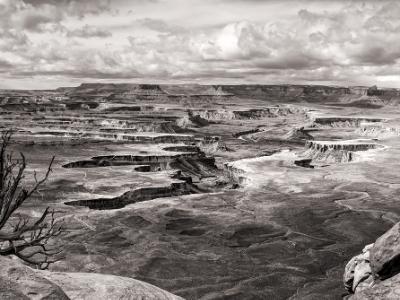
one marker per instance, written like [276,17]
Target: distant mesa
[353,96]
[338,151]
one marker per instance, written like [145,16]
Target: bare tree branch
[26,240]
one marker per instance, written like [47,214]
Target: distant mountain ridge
[348,96]
[355,96]
[285,89]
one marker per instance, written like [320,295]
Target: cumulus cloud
[32,19]
[351,43]
[5,65]
[73,7]
[323,43]
[160,25]
[88,32]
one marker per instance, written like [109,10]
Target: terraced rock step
[33,107]
[344,121]
[251,114]
[110,160]
[50,137]
[138,195]
[337,151]
[110,127]
[378,131]
[195,163]
[246,132]
[299,134]
[352,145]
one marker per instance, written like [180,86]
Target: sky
[46,44]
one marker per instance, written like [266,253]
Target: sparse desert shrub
[21,236]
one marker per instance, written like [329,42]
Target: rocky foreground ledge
[18,281]
[375,273]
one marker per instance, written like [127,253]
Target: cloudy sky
[51,43]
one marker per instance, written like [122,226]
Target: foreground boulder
[388,289]
[385,255]
[100,286]
[18,281]
[374,274]
[358,273]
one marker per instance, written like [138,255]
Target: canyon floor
[211,192]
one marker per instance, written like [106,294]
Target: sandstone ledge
[18,281]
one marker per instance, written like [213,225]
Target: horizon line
[202,84]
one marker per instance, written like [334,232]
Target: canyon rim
[174,149]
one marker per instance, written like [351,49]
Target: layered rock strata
[337,151]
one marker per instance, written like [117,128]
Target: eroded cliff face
[299,134]
[150,92]
[378,131]
[235,174]
[214,114]
[213,144]
[238,90]
[337,151]
[352,145]
[251,114]
[138,195]
[115,160]
[265,91]
[375,273]
[337,121]
[189,159]
[185,164]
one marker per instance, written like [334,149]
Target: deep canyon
[213,191]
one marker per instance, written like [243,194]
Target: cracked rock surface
[374,274]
